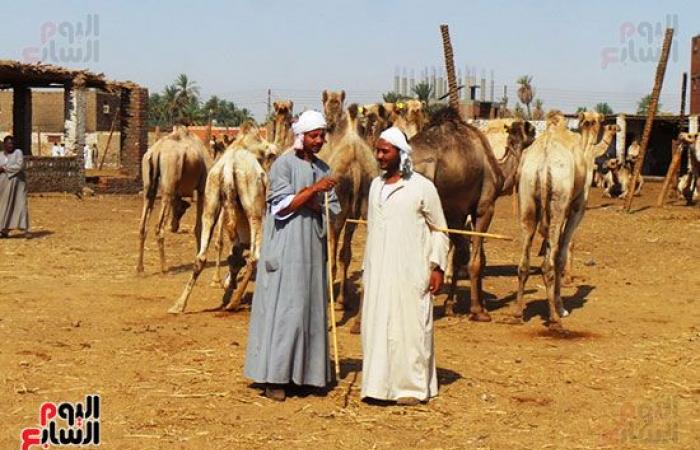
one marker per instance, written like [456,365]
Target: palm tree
[519,112]
[538,114]
[422,91]
[643,105]
[526,92]
[393,97]
[603,108]
[581,109]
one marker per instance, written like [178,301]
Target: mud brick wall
[47,174]
[134,130]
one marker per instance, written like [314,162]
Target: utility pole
[269,105]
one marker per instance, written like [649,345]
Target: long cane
[330,289]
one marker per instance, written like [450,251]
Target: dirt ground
[75,320]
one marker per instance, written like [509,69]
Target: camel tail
[150,172]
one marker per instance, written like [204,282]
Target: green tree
[526,92]
[603,108]
[643,105]
[538,113]
[581,109]
[422,91]
[393,97]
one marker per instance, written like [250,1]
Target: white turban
[308,121]
[397,138]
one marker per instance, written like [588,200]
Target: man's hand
[436,278]
[324,184]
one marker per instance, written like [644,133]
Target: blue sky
[239,49]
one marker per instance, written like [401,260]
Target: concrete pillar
[134,130]
[74,125]
[693,124]
[621,137]
[22,118]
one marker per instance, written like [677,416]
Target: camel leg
[243,277]
[218,248]
[198,219]
[165,212]
[553,263]
[209,216]
[147,208]
[344,260]
[477,262]
[528,223]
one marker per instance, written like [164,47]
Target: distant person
[62,150]
[87,155]
[55,150]
[95,153]
[13,189]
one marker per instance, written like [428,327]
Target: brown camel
[375,119]
[410,117]
[458,159]
[175,166]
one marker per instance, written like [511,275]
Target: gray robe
[288,337]
[13,192]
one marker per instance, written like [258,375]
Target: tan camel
[353,165]
[374,119]
[251,140]
[282,135]
[236,183]
[554,182]
[175,166]
[410,117]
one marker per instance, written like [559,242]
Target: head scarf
[397,138]
[308,121]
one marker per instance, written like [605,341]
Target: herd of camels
[470,167]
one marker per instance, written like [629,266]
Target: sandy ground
[75,320]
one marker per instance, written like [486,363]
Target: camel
[375,119]
[176,166]
[553,186]
[249,139]
[237,184]
[282,135]
[353,165]
[457,158]
[410,117]
[507,138]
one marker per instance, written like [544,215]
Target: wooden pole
[676,150]
[653,104]
[329,266]
[450,67]
[109,139]
[451,231]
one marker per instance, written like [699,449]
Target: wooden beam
[653,104]
[676,150]
[450,67]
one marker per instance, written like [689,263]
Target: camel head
[521,134]
[410,117]
[374,120]
[589,126]
[687,138]
[599,149]
[250,138]
[179,209]
[333,107]
[283,109]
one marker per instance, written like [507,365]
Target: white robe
[397,314]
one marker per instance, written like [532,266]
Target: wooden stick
[329,266]
[109,139]
[676,151]
[653,104]
[451,231]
